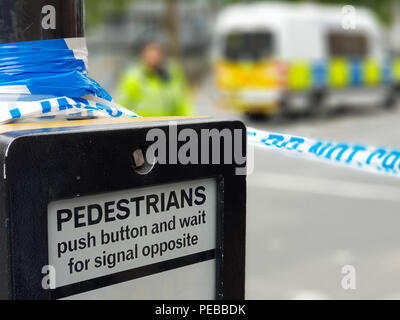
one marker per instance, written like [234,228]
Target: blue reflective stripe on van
[319,74]
[356,73]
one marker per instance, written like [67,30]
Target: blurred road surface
[306,220]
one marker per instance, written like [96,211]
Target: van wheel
[315,102]
[257,117]
[312,110]
[392,100]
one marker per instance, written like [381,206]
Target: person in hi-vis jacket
[154,86]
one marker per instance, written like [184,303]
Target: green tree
[97,11]
[100,10]
[382,8]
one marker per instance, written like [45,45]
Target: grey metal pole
[29,20]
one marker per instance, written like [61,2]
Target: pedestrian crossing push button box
[131,209]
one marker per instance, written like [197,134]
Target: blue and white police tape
[48,79]
[374,159]
[60,108]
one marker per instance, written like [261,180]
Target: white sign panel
[99,235]
[193,282]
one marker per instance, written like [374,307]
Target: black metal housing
[40,166]
[21,20]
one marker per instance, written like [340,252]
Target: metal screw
[138,158]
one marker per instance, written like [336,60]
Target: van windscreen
[248,46]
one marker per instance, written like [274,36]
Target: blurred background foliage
[382,8]
[98,10]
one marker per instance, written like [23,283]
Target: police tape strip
[61,108]
[48,80]
[373,159]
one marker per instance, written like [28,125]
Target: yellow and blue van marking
[303,75]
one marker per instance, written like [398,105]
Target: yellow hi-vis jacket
[149,94]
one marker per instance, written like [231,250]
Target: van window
[248,46]
[347,45]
